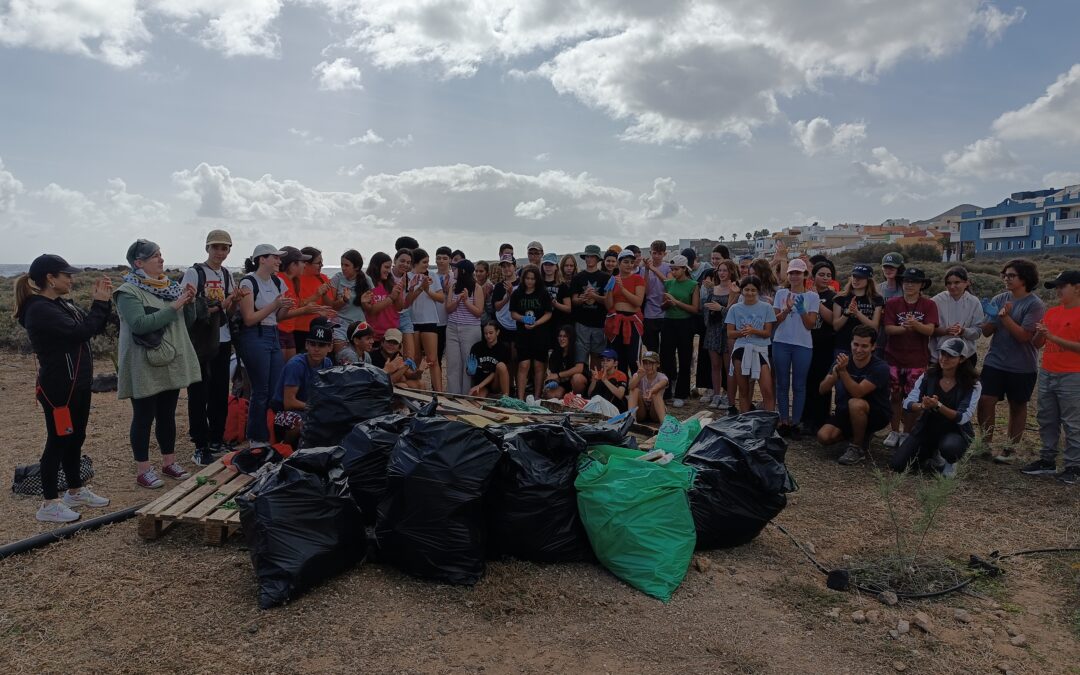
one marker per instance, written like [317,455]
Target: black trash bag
[431,520]
[103,382]
[300,523]
[369,445]
[615,431]
[741,481]
[532,506]
[339,398]
[250,459]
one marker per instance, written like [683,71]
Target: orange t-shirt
[288,325]
[309,287]
[1064,323]
[629,285]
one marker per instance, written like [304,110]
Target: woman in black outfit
[60,334]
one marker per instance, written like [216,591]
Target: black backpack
[205,330]
[236,321]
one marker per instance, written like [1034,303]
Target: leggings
[64,451]
[951,445]
[628,353]
[158,411]
[208,400]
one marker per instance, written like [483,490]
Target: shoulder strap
[277,282]
[255,286]
[200,273]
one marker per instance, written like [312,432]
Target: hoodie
[59,332]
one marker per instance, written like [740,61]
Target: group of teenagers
[620,326]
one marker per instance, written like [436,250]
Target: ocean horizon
[8,270]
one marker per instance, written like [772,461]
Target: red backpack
[236,421]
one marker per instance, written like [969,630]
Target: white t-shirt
[424,309]
[792,330]
[268,293]
[215,288]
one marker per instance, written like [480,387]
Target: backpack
[236,321]
[205,330]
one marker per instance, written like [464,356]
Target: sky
[346,123]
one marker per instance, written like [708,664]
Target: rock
[962,615]
[903,627]
[253,628]
[443,631]
[1018,641]
[999,613]
[872,616]
[888,598]
[810,547]
[1011,630]
[922,622]
[988,632]
[833,613]
[899,666]
[894,634]
[858,616]
[702,563]
[1004,668]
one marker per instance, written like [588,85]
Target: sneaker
[56,512]
[949,470]
[1007,456]
[84,498]
[149,479]
[678,403]
[892,440]
[203,457]
[732,410]
[176,471]
[1040,467]
[723,400]
[714,402]
[853,455]
[1070,476]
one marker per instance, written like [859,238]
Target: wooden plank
[223,494]
[172,496]
[151,527]
[222,515]
[198,494]
[446,401]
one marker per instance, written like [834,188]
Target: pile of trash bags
[341,397]
[437,498]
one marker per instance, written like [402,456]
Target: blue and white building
[1043,221]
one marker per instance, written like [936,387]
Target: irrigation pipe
[51,537]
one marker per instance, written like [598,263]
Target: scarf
[163,287]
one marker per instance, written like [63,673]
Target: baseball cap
[892,260]
[392,335]
[49,264]
[797,265]
[359,329]
[1066,277]
[292,254]
[218,237]
[914,274]
[609,353]
[266,249]
[862,271]
[549,258]
[141,250]
[627,253]
[320,332]
[679,261]
[507,257]
[954,346]
[650,356]
[535,245]
[591,249]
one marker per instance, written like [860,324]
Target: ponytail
[250,265]
[24,288]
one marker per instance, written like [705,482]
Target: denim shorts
[405,324]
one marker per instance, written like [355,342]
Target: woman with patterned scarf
[156,357]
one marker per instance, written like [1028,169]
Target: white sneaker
[678,403]
[56,512]
[715,402]
[85,498]
[724,403]
[892,440]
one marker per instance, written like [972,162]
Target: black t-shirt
[538,303]
[619,379]
[877,371]
[378,359]
[840,304]
[823,334]
[488,358]
[552,289]
[563,296]
[591,315]
[558,362]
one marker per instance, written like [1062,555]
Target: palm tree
[721,239]
[749,236]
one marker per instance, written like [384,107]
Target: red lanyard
[71,392]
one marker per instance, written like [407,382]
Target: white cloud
[113,207]
[819,135]
[994,22]
[338,75]
[986,158]
[350,171]
[1058,179]
[898,180]
[306,135]
[661,203]
[10,187]
[233,27]
[369,138]
[534,210]
[1052,117]
[543,157]
[402,142]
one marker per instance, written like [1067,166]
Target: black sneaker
[1070,476]
[853,455]
[1040,467]
[203,457]
[732,410]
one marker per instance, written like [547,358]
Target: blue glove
[411,364]
[800,304]
[990,309]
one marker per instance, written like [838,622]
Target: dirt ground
[107,601]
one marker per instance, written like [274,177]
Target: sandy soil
[108,602]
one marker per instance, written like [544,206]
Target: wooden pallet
[197,504]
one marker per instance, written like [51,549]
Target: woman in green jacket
[156,357]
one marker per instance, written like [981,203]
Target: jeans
[460,338]
[677,341]
[951,444]
[791,363]
[208,400]
[1059,406]
[66,450]
[259,350]
[157,411]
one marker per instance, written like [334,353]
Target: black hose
[45,538]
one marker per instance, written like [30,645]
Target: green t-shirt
[683,291]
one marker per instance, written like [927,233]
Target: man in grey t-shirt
[655,271]
[1011,366]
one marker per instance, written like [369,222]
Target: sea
[10,270]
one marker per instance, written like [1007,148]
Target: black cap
[1066,277]
[320,331]
[49,263]
[863,271]
[293,254]
[916,275]
[954,346]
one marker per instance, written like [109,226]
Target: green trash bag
[676,437]
[637,516]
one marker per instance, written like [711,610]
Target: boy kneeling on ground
[291,399]
[862,397]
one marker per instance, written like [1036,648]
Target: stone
[253,628]
[988,632]
[1011,630]
[894,634]
[1005,668]
[810,547]
[1018,641]
[833,613]
[899,666]
[888,598]
[962,615]
[999,613]
[872,616]
[702,563]
[858,616]
[903,627]
[922,622]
